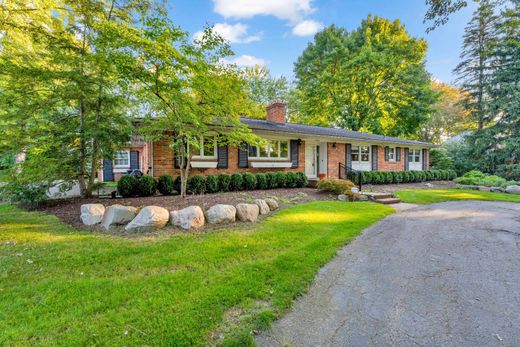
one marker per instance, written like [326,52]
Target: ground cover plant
[61,286]
[475,177]
[430,196]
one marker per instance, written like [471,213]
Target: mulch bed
[68,210]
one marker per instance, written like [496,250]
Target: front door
[311,161]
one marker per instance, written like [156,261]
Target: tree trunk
[185,170]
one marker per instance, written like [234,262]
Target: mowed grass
[430,196]
[62,286]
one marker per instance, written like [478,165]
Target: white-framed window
[122,159]
[414,155]
[273,149]
[391,153]
[207,148]
[360,154]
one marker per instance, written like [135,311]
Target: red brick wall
[383,165]
[334,157]
[163,162]
[276,112]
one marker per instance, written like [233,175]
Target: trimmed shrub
[261,181]
[127,186]
[223,182]
[301,180]
[197,184]
[281,179]
[388,177]
[236,182]
[165,185]
[429,175]
[290,180]
[452,174]
[336,186]
[397,177]
[177,184]
[211,184]
[271,180]
[249,181]
[146,186]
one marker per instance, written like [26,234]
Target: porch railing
[347,172]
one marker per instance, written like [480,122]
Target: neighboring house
[317,151]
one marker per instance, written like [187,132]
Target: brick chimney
[276,111]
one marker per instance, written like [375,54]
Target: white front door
[311,161]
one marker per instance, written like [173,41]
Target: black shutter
[222,157]
[242,156]
[424,157]
[108,172]
[387,149]
[406,163]
[294,153]
[374,157]
[134,160]
[397,153]
[348,157]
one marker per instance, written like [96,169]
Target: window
[414,155]
[207,148]
[360,153]
[272,149]
[391,153]
[122,159]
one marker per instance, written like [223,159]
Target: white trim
[122,166]
[270,164]
[120,170]
[279,157]
[204,164]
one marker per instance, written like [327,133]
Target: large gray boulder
[264,208]
[150,218]
[272,203]
[189,217]
[497,190]
[92,214]
[513,189]
[247,212]
[118,215]
[220,214]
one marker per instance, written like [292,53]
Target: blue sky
[275,32]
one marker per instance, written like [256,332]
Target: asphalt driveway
[446,274]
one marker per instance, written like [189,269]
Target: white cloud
[245,61]
[290,10]
[234,33]
[307,28]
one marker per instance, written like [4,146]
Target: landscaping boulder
[92,214]
[247,212]
[484,189]
[272,203]
[189,217]
[219,214]
[363,197]
[342,197]
[497,190]
[264,208]
[118,215]
[466,186]
[150,218]
[513,189]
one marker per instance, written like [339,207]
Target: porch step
[388,201]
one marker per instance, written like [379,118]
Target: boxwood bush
[271,180]
[261,181]
[223,182]
[290,180]
[211,184]
[177,184]
[165,185]
[127,186]
[249,181]
[236,182]
[146,186]
[281,179]
[301,180]
[196,184]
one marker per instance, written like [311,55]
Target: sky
[274,33]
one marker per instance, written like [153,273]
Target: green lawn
[430,196]
[61,286]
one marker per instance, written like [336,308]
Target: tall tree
[372,79]
[62,101]
[263,87]
[449,118]
[475,70]
[439,11]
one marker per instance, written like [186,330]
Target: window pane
[354,153]
[253,151]
[263,150]
[365,153]
[274,149]
[391,153]
[121,158]
[417,156]
[209,147]
[284,149]
[410,155]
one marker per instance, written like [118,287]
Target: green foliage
[165,185]
[395,97]
[6,162]
[291,180]
[301,180]
[177,184]
[281,179]
[30,195]
[211,184]
[440,159]
[478,178]
[509,171]
[223,182]
[272,183]
[146,186]
[128,186]
[261,181]
[249,181]
[264,88]
[197,184]
[335,186]
[236,182]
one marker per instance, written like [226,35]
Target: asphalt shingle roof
[259,124]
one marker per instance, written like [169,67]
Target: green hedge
[392,177]
[130,186]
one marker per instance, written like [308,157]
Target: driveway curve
[446,274]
